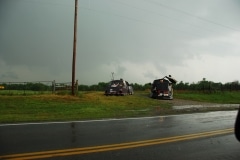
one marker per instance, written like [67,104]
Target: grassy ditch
[216,97]
[87,105]
[94,105]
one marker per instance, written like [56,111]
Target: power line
[149,1]
[148,11]
[189,14]
[166,16]
[47,3]
[137,20]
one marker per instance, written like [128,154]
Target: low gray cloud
[138,41]
[8,75]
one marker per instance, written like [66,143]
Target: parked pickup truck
[118,87]
[162,88]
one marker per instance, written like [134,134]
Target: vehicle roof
[166,78]
[121,80]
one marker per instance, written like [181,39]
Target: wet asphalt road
[32,138]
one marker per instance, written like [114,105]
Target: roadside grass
[87,105]
[22,92]
[225,97]
[95,105]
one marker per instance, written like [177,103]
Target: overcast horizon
[138,40]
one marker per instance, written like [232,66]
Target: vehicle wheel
[152,95]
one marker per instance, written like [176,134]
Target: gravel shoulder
[191,106]
[182,102]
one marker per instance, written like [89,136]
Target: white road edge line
[100,120]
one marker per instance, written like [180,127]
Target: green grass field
[217,97]
[94,105]
[87,105]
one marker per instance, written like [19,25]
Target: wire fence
[36,87]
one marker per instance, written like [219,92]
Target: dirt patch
[182,102]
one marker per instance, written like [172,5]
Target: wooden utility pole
[74,47]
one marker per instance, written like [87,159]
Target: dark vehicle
[162,88]
[237,125]
[119,87]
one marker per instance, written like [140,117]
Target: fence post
[76,87]
[8,87]
[24,88]
[53,86]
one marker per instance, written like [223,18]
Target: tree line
[202,85]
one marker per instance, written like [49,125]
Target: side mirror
[237,126]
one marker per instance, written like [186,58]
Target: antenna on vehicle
[112,76]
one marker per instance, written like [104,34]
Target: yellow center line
[84,150]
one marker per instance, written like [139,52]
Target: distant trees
[203,85]
[96,87]
[83,87]
[27,86]
[208,86]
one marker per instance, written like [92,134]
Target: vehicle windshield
[162,86]
[116,83]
